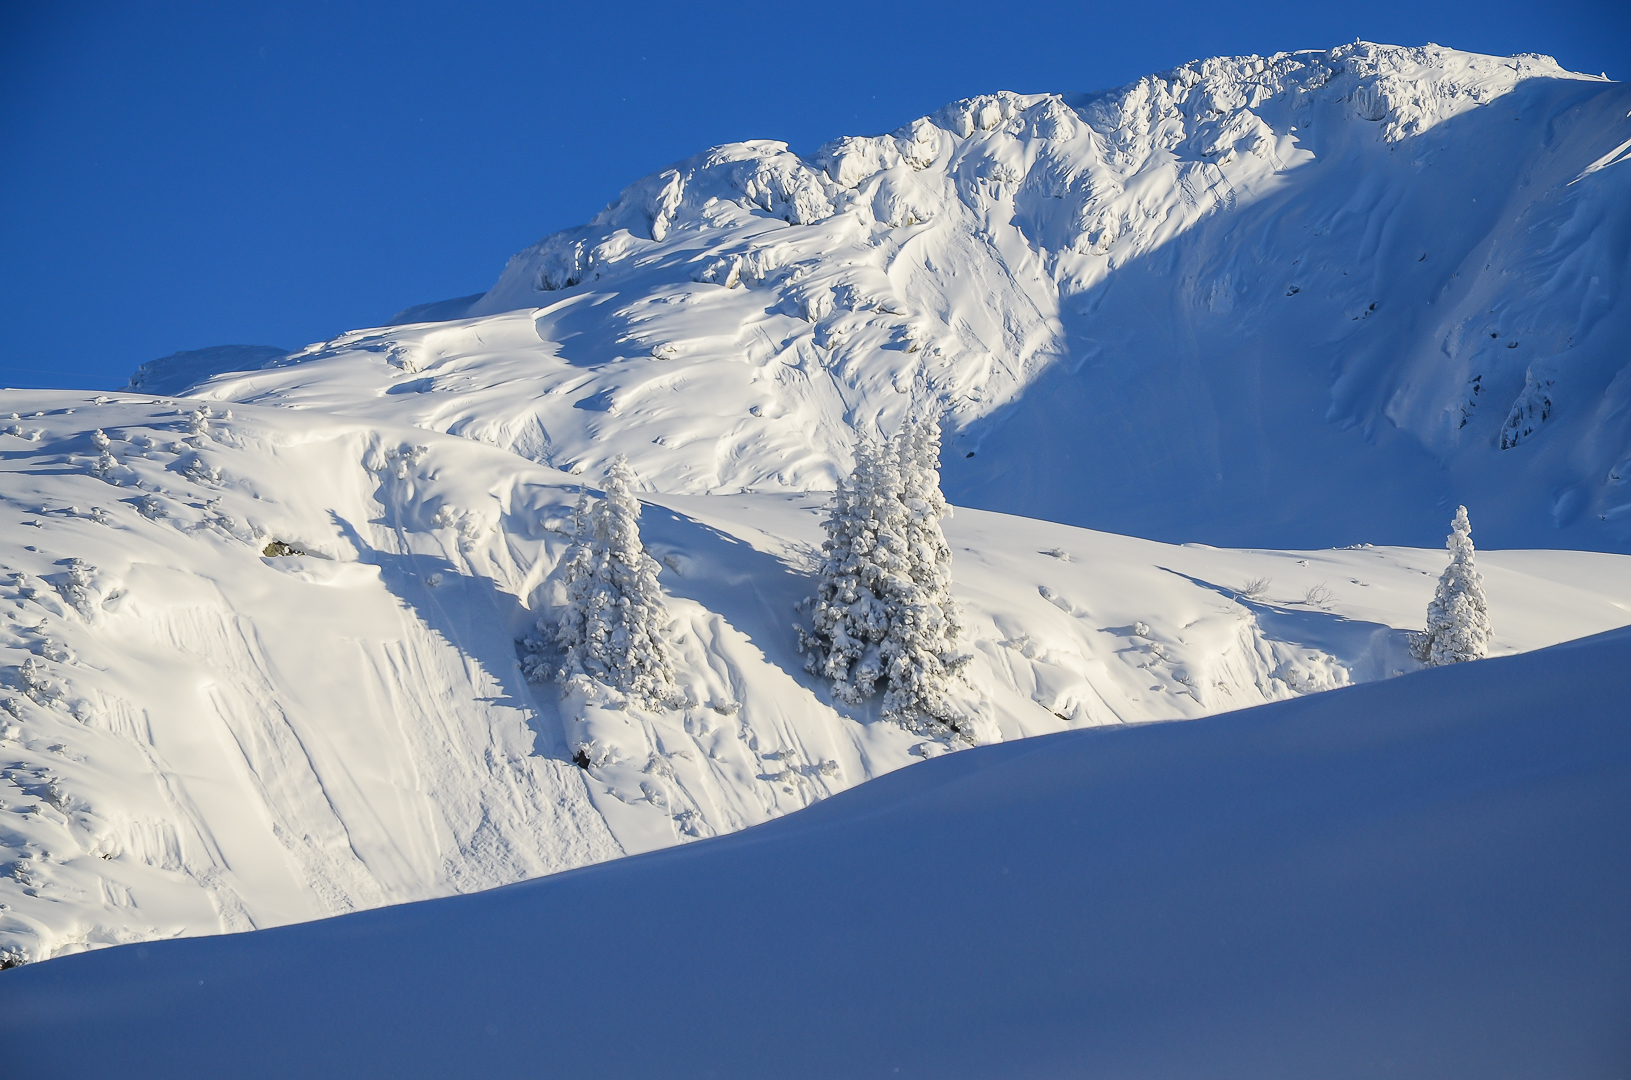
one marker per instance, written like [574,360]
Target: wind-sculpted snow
[266,665]
[1313,298]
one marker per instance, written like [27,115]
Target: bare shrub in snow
[1317,595]
[612,627]
[883,609]
[1458,617]
[1256,588]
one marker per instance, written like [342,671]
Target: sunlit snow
[271,616]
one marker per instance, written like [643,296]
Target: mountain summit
[1311,298]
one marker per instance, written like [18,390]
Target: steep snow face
[1314,298]
[1422,878]
[198,734]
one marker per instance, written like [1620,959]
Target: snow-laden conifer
[612,627]
[864,548]
[920,649]
[883,608]
[1458,617]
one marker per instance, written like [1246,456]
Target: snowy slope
[1421,878]
[1310,299]
[199,738]
[1300,301]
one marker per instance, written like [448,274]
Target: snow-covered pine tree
[863,549]
[1458,617]
[883,607]
[612,628]
[920,649]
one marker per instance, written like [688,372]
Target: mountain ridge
[1273,282]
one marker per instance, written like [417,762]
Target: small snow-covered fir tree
[1458,617]
[883,608]
[863,549]
[920,649]
[612,627]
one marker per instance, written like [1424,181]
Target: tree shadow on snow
[755,592]
[478,619]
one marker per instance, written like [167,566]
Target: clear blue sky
[175,176]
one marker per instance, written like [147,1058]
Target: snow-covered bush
[78,587]
[612,627]
[1458,617]
[32,680]
[883,609]
[467,524]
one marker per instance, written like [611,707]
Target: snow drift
[1419,878]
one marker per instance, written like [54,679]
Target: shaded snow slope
[1422,878]
[174,373]
[197,737]
[1310,299]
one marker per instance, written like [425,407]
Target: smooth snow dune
[1421,878]
[1302,300]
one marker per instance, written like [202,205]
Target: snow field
[1422,878]
[198,737]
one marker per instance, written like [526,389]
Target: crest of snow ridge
[1082,169]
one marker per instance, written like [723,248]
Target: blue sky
[174,176]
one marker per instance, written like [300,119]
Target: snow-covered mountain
[200,737]
[1423,878]
[1315,298]
[267,613]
